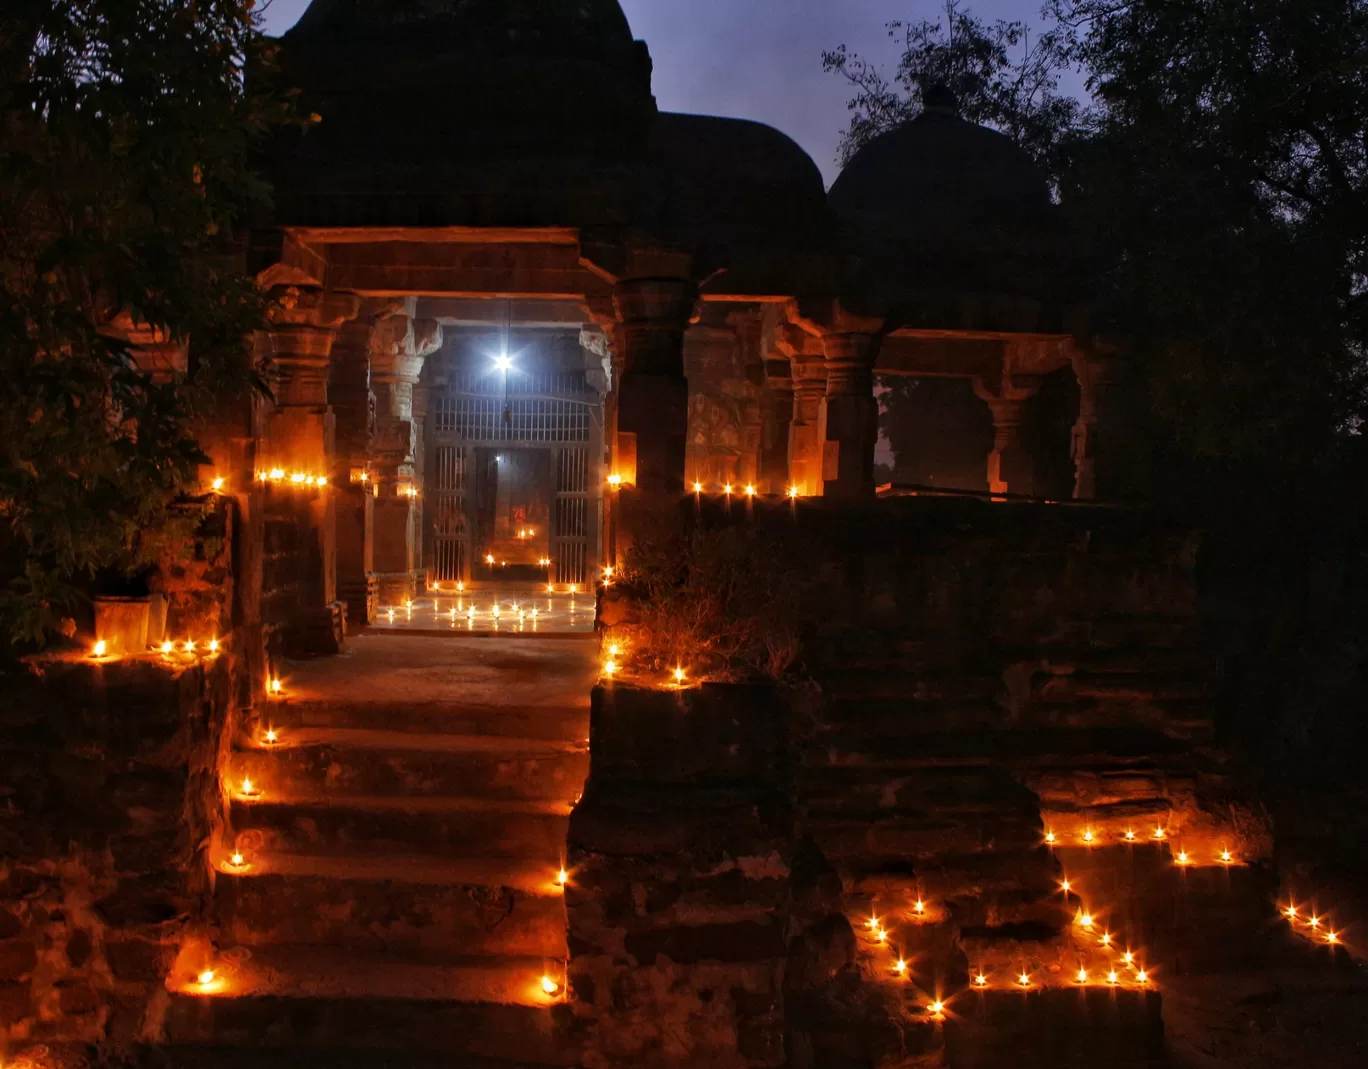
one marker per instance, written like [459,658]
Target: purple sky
[760,59]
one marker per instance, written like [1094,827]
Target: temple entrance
[513,481]
[514,494]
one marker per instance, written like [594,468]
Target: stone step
[862,684]
[1053,1028]
[350,762]
[454,916]
[439,827]
[305,971]
[948,789]
[552,722]
[919,836]
[1020,747]
[912,716]
[219,1057]
[309,999]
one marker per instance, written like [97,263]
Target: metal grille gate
[570,519]
[451,536]
[552,410]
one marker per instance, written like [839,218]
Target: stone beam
[466,270]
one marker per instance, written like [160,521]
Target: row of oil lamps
[792,493]
[189,648]
[1090,837]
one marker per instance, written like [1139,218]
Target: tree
[127,128]
[1002,76]
[1219,183]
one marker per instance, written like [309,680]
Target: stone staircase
[934,770]
[387,887]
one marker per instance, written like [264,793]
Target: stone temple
[394,808]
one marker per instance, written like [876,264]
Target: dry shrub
[724,603]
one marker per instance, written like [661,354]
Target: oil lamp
[980,980]
[213,645]
[1227,858]
[271,737]
[698,488]
[167,646]
[750,490]
[1142,977]
[205,978]
[549,986]
[919,907]
[275,686]
[1112,977]
[615,480]
[1088,836]
[609,668]
[1085,919]
[218,483]
[1081,976]
[1128,957]
[1159,832]
[562,877]
[1050,838]
[249,789]
[1106,939]
[1130,835]
[900,967]
[937,1008]
[679,676]
[1065,885]
[793,493]
[99,649]
[1024,979]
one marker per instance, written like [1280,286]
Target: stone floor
[522,609]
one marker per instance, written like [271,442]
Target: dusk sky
[760,59]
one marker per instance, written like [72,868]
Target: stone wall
[108,772]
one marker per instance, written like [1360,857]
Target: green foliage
[125,133]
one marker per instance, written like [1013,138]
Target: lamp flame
[100,648]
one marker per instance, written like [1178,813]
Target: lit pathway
[395,897]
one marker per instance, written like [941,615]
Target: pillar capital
[304,325]
[1011,469]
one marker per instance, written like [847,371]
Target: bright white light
[504,364]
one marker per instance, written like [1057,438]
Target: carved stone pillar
[1011,468]
[653,396]
[1101,420]
[805,432]
[398,351]
[300,565]
[777,415]
[353,403]
[851,421]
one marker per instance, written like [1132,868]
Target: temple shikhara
[406,770]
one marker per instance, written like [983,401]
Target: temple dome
[502,24]
[942,202]
[469,112]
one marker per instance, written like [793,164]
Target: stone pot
[121,623]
